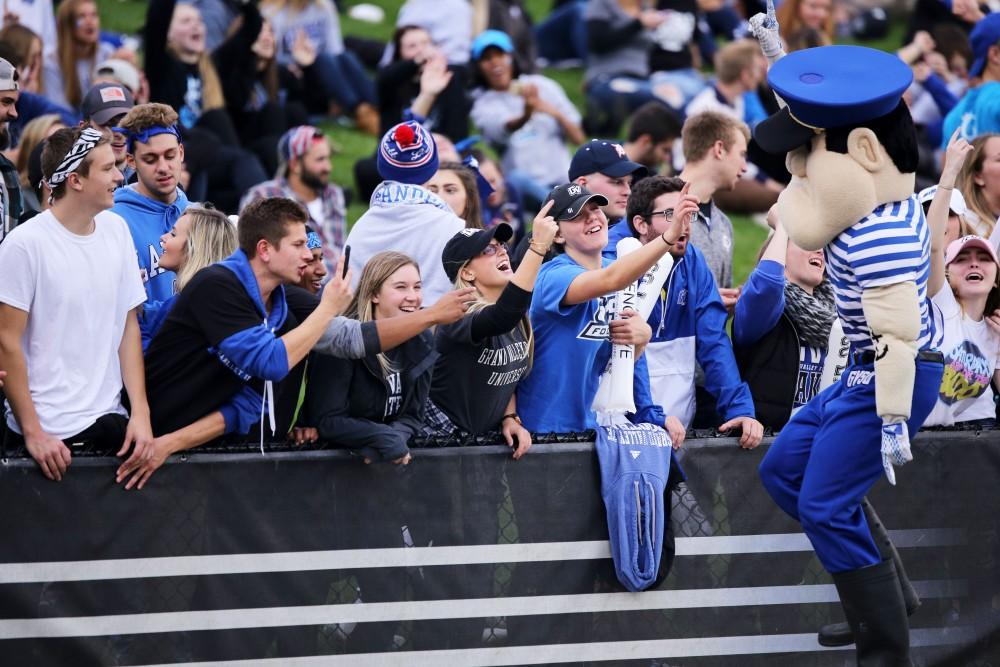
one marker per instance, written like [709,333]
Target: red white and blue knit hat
[407,154]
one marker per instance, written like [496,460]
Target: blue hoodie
[691,327]
[148,220]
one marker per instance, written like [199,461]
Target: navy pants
[829,455]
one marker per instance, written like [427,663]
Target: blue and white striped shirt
[889,246]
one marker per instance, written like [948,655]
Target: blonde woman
[201,237]
[979,182]
[486,353]
[34,133]
[69,75]
[374,405]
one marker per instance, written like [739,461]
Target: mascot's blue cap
[830,86]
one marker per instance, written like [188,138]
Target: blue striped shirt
[889,246]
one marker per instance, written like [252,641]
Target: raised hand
[435,76]
[680,222]
[765,29]
[303,50]
[955,156]
[544,228]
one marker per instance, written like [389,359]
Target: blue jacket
[148,220]
[689,325]
[32,105]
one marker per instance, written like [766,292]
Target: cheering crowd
[474,294]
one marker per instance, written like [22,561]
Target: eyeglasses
[493,249]
[667,213]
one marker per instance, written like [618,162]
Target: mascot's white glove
[895,448]
[764,27]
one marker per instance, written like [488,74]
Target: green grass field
[129,15]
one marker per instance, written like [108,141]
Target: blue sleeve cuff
[242,411]
[257,352]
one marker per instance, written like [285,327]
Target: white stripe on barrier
[561,653]
[269,617]
[301,561]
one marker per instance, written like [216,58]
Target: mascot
[851,149]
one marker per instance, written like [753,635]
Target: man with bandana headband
[69,293]
[304,176]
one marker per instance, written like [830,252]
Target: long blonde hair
[379,268]
[34,133]
[975,199]
[481,302]
[66,50]
[211,238]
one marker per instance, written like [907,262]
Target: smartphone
[347,260]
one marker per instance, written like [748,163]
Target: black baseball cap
[605,157]
[468,243]
[105,101]
[569,199]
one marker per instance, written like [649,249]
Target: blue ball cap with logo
[603,157]
[830,86]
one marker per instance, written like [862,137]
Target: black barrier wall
[465,557]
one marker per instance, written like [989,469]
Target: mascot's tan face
[830,192]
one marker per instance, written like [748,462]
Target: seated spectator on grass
[420,80]
[604,169]
[202,236]
[153,204]
[104,106]
[456,185]
[69,72]
[979,183]
[781,328]
[36,15]
[304,168]
[345,87]
[715,148]
[312,277]
[815,14]
[619,38]
[739,69]
[404,215]
[489,351]
[53,328]
[373,406]
[570,314]
[652,130]
[184,75]
[689,320]
[678,50]
[562,35]
[449,23]
[964,286]
[527,118]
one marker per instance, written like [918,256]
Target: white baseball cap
[8,76]
[957,203]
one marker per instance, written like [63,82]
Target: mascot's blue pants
[829,455]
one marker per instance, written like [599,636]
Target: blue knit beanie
[407,154]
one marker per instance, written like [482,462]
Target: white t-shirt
[971,351]
[316,209]
[77,291]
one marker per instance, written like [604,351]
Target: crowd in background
[476,296]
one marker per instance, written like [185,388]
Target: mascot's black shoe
[874,607]
[839,634]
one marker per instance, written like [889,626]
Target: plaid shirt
[332,229]
[10,198]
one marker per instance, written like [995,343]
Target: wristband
[537,252]
[513,416]
[664,238]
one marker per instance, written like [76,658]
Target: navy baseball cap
[830,86]
[488,38]
[569,199]
[983,36]
[605,157]
[468,243]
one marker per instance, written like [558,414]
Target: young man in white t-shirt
[69,292]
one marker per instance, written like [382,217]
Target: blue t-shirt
[977,113]
[571,348]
